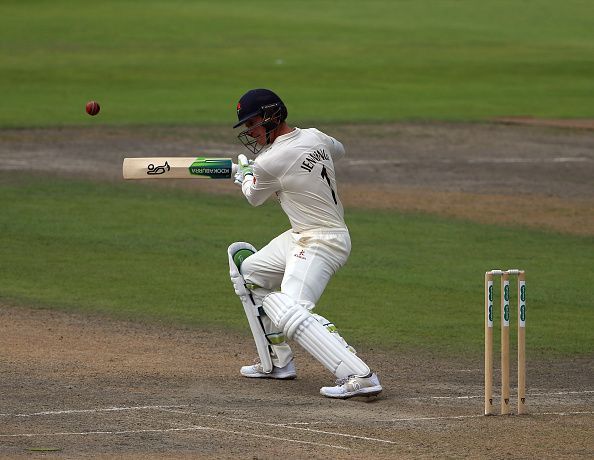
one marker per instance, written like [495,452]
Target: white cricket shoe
[353,386]
[284,373]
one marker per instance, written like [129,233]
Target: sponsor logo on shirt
[300,255]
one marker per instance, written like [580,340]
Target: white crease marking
[529,395]
[169,430]
[90,411]
[282,425]
[461,417]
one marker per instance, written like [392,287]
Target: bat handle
[233,169]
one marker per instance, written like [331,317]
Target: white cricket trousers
[300,265]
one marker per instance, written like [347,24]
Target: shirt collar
[284,137]
[280,139]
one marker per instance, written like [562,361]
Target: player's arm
[256,183]
[336,149]
[334,146]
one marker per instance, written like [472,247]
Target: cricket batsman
[280,284]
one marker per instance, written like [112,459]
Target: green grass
[181,62]
[413,281]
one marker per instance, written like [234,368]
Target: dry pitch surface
[76,386]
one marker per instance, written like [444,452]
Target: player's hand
[244,168]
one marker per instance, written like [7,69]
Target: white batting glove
[244,168]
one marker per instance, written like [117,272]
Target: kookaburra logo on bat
[152,169]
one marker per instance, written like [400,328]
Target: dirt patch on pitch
[88,385]
[573,123]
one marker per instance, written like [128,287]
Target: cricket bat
[178,168]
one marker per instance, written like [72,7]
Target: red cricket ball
[93,108]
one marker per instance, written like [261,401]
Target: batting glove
[244,168]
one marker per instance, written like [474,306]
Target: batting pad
[251,310]
[300,325]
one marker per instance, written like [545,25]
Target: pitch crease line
[169,430]
[421,419]
[87,411]
[563,393]
[530,395]
[281,425]
[461,417]
[88,433]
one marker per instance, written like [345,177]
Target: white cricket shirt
[299,168]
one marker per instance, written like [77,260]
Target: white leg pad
[300,325]
[334,331]
[251,309]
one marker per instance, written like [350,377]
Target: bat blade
[178,168]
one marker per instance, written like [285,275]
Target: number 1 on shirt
[325,176]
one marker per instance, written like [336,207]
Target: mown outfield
[183,62]
[413,280]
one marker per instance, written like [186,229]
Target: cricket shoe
[283,373]
[353,386]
